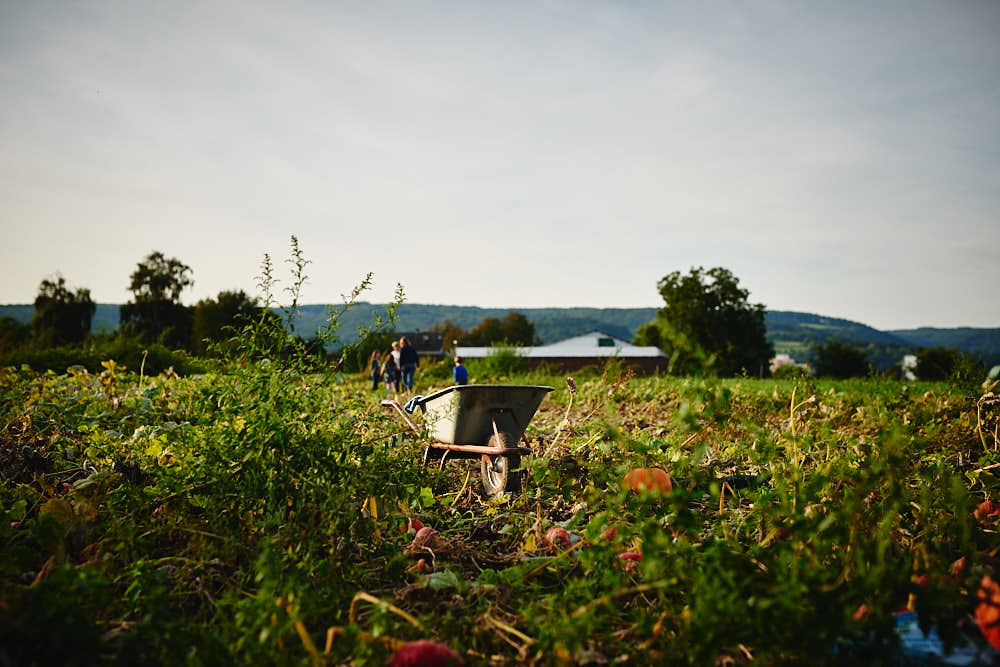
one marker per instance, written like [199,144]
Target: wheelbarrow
[479,421]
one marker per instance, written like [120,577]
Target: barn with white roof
[588,349]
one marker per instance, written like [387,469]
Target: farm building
[426,343]
[589,349]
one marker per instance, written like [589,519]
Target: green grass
[227,518]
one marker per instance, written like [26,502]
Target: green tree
[155,312]
[13,333]
[707,321]
[487,332]
[934,363]
[61,315]
[214,320]
[451,333]
[160,279]
[514,329]
[649,334]
[517,329]
[941,363]
[840,360]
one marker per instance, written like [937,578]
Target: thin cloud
[525,154]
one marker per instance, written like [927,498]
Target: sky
[840,158]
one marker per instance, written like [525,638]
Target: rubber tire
[501,473]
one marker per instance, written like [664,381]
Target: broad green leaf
[16,511]
[441,580]
[427,498]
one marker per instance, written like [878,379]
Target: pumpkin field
[270,512]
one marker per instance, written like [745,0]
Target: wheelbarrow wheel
[501,473]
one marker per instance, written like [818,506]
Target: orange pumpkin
[653,480]
[988,610]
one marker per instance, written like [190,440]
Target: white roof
[593,344]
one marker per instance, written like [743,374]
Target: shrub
[124,350]
[790,372]
[435,369]
[502,360]
[939,364]
[841,360]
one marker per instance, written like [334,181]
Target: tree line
[154,318]
[842,359]
[514,328]
[706,325]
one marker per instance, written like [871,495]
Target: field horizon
[791,332]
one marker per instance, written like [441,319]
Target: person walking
[459,373]
[375,367]
[408,361]
[390,373]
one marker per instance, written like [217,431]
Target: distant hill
[797,333]
[21,312]
[551,324]
[802,326]
[984,343]
[792,333]
[105,316]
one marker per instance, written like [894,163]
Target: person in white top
[395,357]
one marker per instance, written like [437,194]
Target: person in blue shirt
[460,375]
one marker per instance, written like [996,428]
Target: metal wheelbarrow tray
[480,421]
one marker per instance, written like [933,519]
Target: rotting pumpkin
[652,480]
[424,653]
[557,539]
[988,610]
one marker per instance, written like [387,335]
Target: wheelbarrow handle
[389,403]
